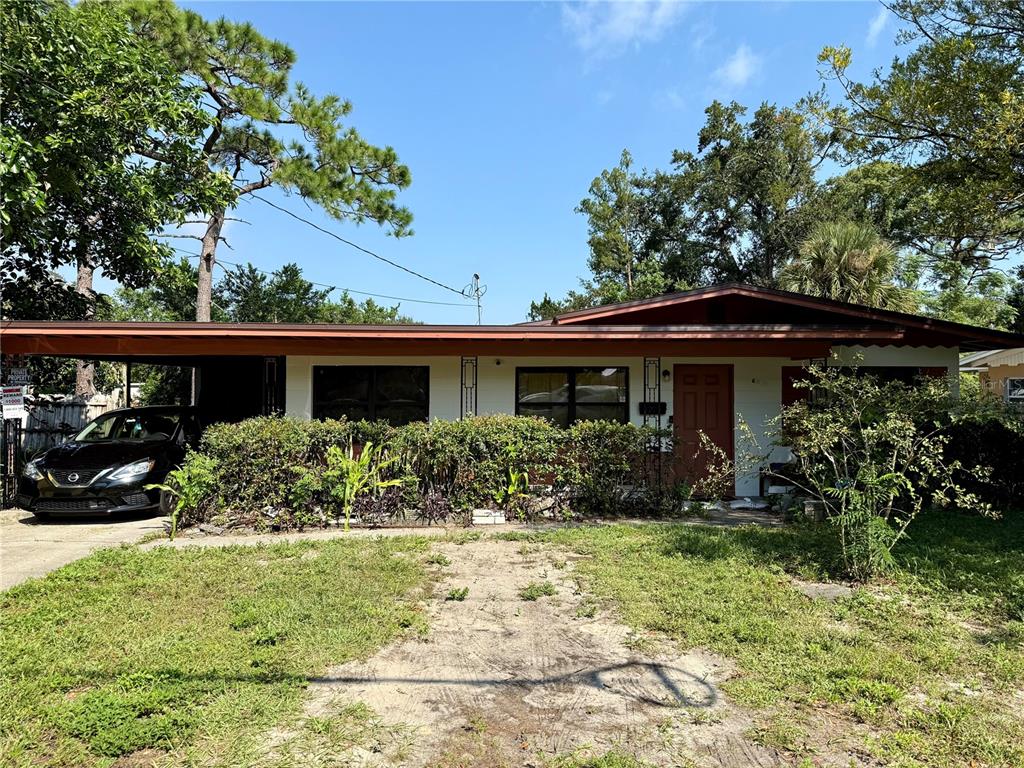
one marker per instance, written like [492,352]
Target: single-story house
[1000,371]
[697,360]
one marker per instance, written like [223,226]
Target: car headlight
[133,471]
[32,470]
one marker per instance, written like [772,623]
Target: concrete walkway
[31,547]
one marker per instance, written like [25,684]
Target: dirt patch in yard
[500,680]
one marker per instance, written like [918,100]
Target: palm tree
[847,261]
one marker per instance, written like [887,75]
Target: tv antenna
[476,291]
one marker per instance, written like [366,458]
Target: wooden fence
[53,418]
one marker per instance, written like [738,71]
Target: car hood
[74,455]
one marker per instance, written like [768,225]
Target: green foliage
[289,473]
[873,453]
[193,487]
[604,469]
[267,130]
[847,262]
[734,210]
[472,461]
[350,475]
[246,295]
[457,594]
[949,111]
[536,590]
[96,152]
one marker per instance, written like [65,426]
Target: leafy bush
[290,473]
[989,432]
[873,452]
[473,462]
[605,469]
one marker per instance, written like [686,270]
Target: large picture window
[397,394]
[566,395]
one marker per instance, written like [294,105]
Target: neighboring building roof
[723,320]
[991,358]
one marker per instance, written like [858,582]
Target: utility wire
[333,287]
[315,226]
[359,247]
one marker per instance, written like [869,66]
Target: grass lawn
[926,668]
[189,656]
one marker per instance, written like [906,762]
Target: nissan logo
[73,477]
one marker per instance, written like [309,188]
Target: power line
[338,237]
[334,287]
[358,247]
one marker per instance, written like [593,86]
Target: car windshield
[148,426]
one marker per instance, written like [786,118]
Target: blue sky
[505,112]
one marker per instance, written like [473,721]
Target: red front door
[702,402]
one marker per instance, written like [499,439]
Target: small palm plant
[349,476]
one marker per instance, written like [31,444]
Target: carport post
[128,384]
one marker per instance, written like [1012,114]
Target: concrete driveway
[31,547]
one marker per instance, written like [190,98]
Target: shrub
[873,453]
[290,473]
[990,432]
[606,468]
[473,462]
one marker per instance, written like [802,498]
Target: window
[396,394]
[565,395]
[1015,391]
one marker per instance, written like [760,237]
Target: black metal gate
[10,445]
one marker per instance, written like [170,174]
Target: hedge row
[268,472]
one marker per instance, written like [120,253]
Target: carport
[232,381]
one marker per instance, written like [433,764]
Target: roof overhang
[152,340]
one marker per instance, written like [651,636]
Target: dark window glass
[565,395]
[396,394]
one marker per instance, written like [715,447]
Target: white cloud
[670,100]
[878,25]
[739,68]
[608,28]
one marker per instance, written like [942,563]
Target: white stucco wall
[757,383]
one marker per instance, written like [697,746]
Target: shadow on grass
[947,551]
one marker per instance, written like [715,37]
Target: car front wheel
[166,503]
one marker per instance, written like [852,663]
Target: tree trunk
[207,261]
[85,370]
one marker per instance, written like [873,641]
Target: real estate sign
[13,401]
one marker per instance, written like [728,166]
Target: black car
[106,467]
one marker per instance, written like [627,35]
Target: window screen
[397,394]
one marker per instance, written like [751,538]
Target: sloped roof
[738,302]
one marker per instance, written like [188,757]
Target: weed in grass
[457,594]
[477,724]
[439,558]
[586,609]
[463,537]
[536,590]
[781,731]
[613,759]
